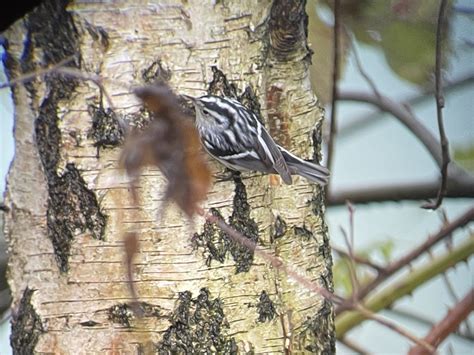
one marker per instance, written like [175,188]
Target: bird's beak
[190,98]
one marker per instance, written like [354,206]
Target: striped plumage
[233,135]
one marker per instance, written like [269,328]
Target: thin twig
[365,119]
[405,260]
[359,65]
[448,324]
[96,79]
[352,267]
[75,73]
[335,75]
[276,262]
[411,315]
[350,248]
[353,346]
[439,109]
[308,284]
[401,114]
[37,73]
[359,259]
[396,328]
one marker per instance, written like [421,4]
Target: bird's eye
[206,112]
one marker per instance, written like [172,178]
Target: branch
[411,315]
[359,65]
[335,75]
[363,120]
[358,259]
[461,188]
[405,286]
[439,110]
[353,346]
[276,262]
[403,115]
[71,72]
[395,266]
[449,324]
[37,73]
[396,328]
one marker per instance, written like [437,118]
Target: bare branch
[353,346]
[460,188]
[350,248]
[395,266]
[448,324]
[365,119]
[359,259]
[61,69]
[396,328]
[360,67]
[439,110]
[273,260]
[409,314]
[37,73]
[399,112]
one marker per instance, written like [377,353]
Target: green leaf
[465,157]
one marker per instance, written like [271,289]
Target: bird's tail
[312,172]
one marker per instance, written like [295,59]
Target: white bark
[79,309]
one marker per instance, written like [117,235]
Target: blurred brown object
[171,143]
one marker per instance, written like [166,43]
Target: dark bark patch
[98,34]
[217,244]
[250,100]
[288,27]
[220,86]
[214,242]
[106,130]
[89,323]
[26,326]
[317,141]
[241,221]
[156,73]
[265,308]
[124,313]
[198,326]
[303,232]
[72,207]
[279,228]
[317,203]
[318,331]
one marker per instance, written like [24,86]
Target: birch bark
[67,210]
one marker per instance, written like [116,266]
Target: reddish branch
[276,262]
[439,109]
[395,266]
[309,284]
[448,325]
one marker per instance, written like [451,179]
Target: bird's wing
[270,154]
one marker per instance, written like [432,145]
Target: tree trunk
[67,210]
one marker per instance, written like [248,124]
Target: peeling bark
[64,202]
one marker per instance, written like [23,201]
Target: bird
[233,135]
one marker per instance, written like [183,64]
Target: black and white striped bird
[232,134]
